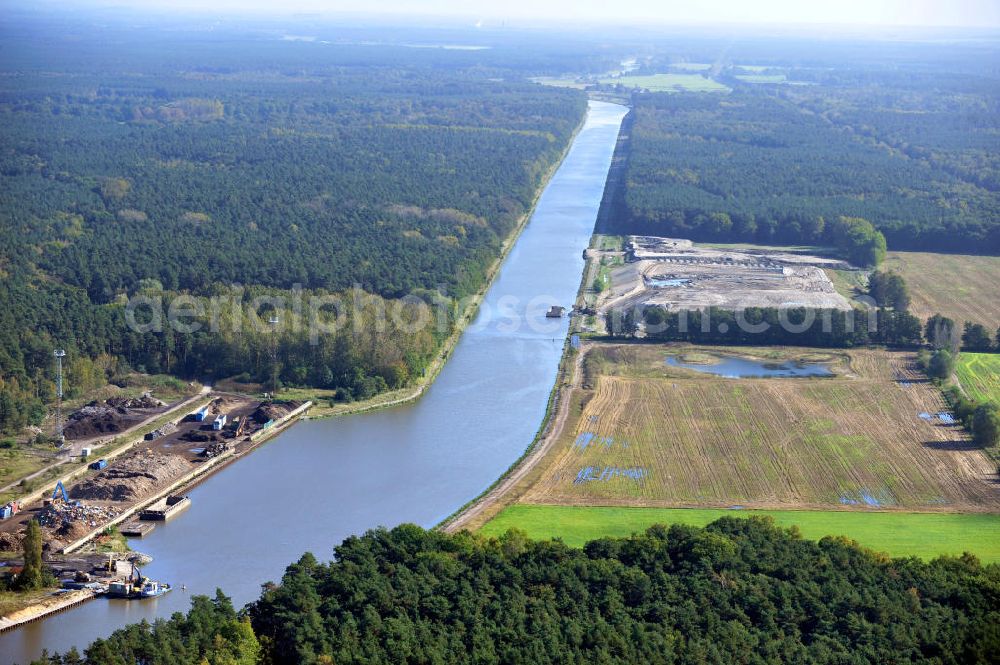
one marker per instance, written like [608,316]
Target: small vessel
[153,589]
[136,585]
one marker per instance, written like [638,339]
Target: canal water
[323,480]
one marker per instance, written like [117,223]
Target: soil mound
[273,411]
[131,478]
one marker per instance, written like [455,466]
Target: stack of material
[114,415]
[132,477]
[215,449]
[73,520]
[200,437]
[145,402]
[10,542]
[273,411]
[95,420]
[168,428]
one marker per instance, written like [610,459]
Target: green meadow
[899,534]
[669,83]
[979,374]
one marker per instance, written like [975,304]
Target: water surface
[323,480]
[734,367]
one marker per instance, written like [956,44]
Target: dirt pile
[67,522]
[132,477]
[10,542]
[222,404]
[114,415]
[194,436]
[273,411]
[144,402]
[95,420]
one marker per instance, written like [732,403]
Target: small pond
[733,367]
[667,282]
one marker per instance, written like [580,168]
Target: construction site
[114,491]
[129,490]
[677,275]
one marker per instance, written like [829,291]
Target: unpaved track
[495,499]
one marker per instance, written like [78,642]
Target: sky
[929,13]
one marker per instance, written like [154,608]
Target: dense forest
[738,590]
[913,152]
[246,168]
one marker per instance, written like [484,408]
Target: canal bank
[413,392]
[325,479]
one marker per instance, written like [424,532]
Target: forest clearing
[668,83]
[925,535]
[875,434]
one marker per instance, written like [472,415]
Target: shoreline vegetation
[321,398]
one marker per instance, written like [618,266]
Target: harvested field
[979,374]
[653,435]
[132,477]
[959,286]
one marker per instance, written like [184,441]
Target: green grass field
[980,375]
[899,534]
[669,83]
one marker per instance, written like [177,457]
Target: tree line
[782,166]
[795,326]
[738,590]
[980,418]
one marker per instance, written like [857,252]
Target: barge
[136,585]
[165,509]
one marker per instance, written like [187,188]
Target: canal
[323,480]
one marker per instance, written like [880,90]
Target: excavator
[60,493]
[60,490]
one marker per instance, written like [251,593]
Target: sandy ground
[677,275]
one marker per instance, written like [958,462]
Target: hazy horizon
[851,13]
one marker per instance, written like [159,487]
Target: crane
[60,490]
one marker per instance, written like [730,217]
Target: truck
[99,464]
[11,509]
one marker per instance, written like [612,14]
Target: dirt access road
[483,508]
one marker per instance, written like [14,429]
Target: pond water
[734,367]
[667,282]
